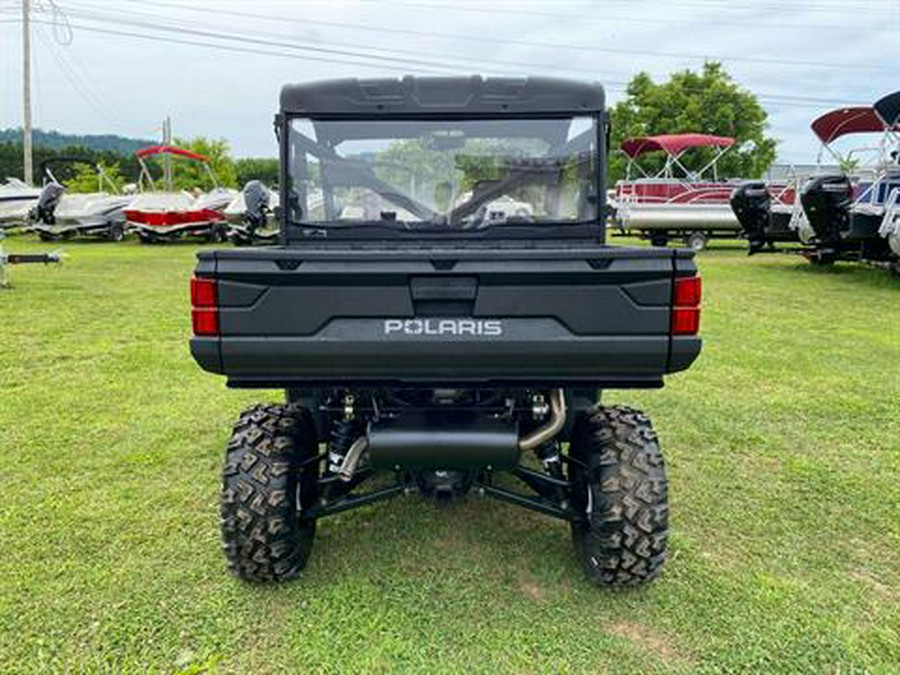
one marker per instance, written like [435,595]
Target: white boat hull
[16,200]
[82,213]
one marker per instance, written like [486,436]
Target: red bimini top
[853,120]
[673,144]
[170,150]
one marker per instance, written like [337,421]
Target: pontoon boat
[888,108]
[676,201]
[847,212]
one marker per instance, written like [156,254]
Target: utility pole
[26,90]
[167,159]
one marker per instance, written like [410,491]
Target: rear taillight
[686,306]
[204,307]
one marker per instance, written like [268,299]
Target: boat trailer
[7,259]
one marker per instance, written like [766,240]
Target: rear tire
[659,240]
[116,232]
[240,239]
[266,491]
[696,241]
[620,486]
[217,235]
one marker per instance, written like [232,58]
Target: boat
[251,215]
[676,202]
[847,212]
[16,200]
[59,214]
[158,215]
[888,108]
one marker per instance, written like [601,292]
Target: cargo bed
[443,315]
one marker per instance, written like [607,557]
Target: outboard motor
[256,200]
[752,204]
[826,201]
[47,202]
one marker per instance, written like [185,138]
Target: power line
[777,100]
[825,8]
[596,16]
[772,100]
[73,78]
[233,48]
[452,67]
[99,17]
[458,61]
[525,43]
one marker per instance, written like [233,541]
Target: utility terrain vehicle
[448,346]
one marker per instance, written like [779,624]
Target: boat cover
[673,144]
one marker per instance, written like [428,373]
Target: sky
[216,67]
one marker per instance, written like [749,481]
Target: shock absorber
[343,433]
[549,455]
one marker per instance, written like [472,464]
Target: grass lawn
[783,449]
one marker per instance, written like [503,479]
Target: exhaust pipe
[549,431]
[351,459]
[494,440]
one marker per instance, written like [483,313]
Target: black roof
[442,95]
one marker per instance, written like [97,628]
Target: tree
[264,169]
[707,102]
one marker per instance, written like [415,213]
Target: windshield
[465,174]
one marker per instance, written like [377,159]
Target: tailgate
[597,316]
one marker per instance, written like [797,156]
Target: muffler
[443,440]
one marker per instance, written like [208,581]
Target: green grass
[782,447]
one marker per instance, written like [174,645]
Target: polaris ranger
[425,336]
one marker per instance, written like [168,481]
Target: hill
[56,141]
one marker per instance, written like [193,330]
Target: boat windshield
[465,174]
